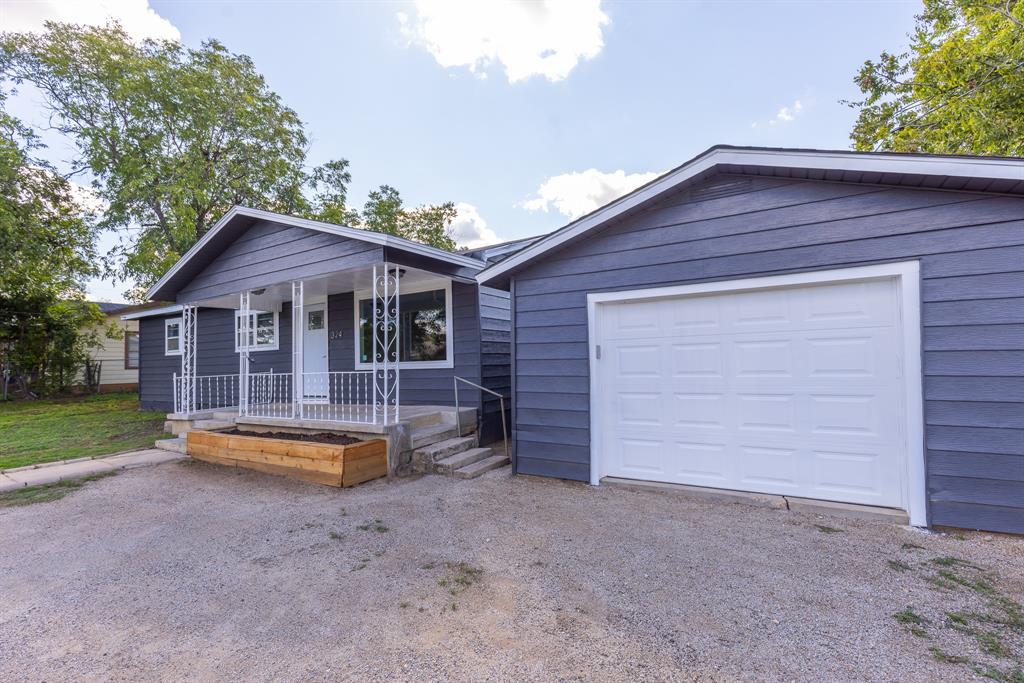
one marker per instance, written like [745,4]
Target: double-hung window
[131,350]
[172,337]
[262,331]
[424,327]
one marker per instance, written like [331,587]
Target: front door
[314,352]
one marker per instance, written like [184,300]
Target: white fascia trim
[996,169]
[908,275]
[152,312]
[353,233]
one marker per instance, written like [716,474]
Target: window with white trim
[262,331]
[172,337]
[425,327]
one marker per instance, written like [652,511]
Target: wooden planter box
[320,463]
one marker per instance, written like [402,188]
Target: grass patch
[827,529]
[46,493]
[375,525]
[909,616]
[950,561]
[63,429]
[941,656]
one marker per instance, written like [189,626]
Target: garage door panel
[794,391]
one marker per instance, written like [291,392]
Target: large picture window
[424,328]
[262,331]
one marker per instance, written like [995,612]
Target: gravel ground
[188,571]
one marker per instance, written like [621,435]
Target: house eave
[157,290]
[992,168]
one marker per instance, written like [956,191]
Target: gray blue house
[834,326]
[825,325]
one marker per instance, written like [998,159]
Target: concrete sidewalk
[76,469]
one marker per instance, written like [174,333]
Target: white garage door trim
[907,275]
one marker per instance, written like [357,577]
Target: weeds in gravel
[911,546]
[909,616]
[335,536]
[375,525]
[827,529]
[941,656]
[993,631]
[898,566]
[46,493]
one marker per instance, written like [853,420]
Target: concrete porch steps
[461,459]
[442,431]
[474,470]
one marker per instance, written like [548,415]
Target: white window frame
[257,346]
[908,278]
[449,336]
[167,326]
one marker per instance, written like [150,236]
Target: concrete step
[174,445]
[424,420]
[462,459]
[225,415]
[467,415]
[212,424]
[474,470]
[442,449]
[424,436]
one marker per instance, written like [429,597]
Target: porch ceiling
[351,280]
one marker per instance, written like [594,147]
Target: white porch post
[243,330]
[298,389]
[188,359]
[385,342]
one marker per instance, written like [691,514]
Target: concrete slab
[722,495]
[83,468]
[826,507]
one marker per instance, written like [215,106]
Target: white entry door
[794,390]
[314,351]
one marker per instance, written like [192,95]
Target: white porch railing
[270,394]
[210,392]
[339,397]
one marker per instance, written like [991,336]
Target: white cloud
[784,115]
[469,229]
[580,192]
[136,16]
[527,37]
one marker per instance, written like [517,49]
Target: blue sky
[528,116]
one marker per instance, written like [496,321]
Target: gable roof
[954,172]
[240,218]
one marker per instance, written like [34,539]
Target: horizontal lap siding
[495,359]
[215,353]
[268,253]
[971,250]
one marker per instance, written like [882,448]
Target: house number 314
[335,334]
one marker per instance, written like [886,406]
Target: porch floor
[350,418]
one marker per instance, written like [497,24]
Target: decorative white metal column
[244,329]
[385,343]
[187,400]
[298,322]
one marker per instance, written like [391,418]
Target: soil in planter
[323,437]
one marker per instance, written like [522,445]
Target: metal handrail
[458,421]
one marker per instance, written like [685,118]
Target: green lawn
[42,431]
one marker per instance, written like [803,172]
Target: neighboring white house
[117,359]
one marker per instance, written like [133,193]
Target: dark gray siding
[215,353]
[271,253]
[495,359]
[155,368]
[971,249]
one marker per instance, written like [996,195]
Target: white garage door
[792,391]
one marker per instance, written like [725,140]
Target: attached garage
[784,385]
[830,325]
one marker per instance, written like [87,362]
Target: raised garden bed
[333,464]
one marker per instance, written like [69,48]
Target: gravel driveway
[193,571]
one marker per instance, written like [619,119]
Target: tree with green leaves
[959,89]
[173,137]
[429,224]
[47,250]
